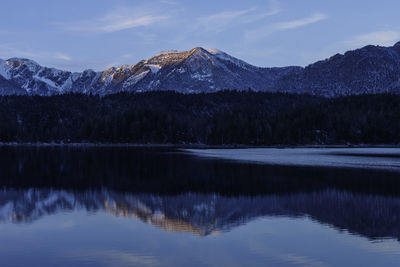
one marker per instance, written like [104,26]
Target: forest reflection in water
[179,192]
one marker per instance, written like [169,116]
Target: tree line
[221,118]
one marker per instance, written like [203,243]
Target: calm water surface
[81,206]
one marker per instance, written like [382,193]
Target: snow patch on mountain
[202,77]
[169,52]
[21,62]
[131,81]
[4,70]
[224,56]
[154,67]
[181,70]
[45,80]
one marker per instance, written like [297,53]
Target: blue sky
[76,35]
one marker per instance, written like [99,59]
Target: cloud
[302,260]
[62,56]
[274,9]
[260,33]
[115,258]
[47,57]
[118,20]
[384,38]
[288,25]
[219,22]
[169,2]
[224,16]
[259,16]
[11,50]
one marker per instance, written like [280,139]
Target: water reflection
[206,214]
[176,192]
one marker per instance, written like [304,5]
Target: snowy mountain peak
[224,56]
[370,69]
[167,58]
[199,49]
[4,69]
[21,60]
[18,62]
[168,52]
[193,71]
[214,51]
[174,57]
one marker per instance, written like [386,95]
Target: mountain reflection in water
[205,214]
[177,192]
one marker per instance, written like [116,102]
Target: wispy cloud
[15,50]
[384,38]
[287,25]
[219,22]
[116,258]
[62,57]
[302,260]
[118,20]
[260,33]
[11,50]
[169,2]
[274,8]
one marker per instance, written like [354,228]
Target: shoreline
[384,158]
[188,146]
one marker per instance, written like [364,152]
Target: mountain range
[369,70]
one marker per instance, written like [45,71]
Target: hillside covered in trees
[222,118]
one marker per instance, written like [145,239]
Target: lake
[126,206]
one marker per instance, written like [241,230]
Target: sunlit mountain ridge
[369,70]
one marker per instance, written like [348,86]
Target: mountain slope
[194,71]
[371,69]
[201,70]
[197,70]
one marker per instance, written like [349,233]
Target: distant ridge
[369,70]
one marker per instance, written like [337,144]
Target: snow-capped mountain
[25,76]
[197,70]
[371,69]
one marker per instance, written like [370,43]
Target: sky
[81,34]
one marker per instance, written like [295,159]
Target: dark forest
[222,118]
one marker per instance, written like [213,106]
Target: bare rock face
[369,70]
